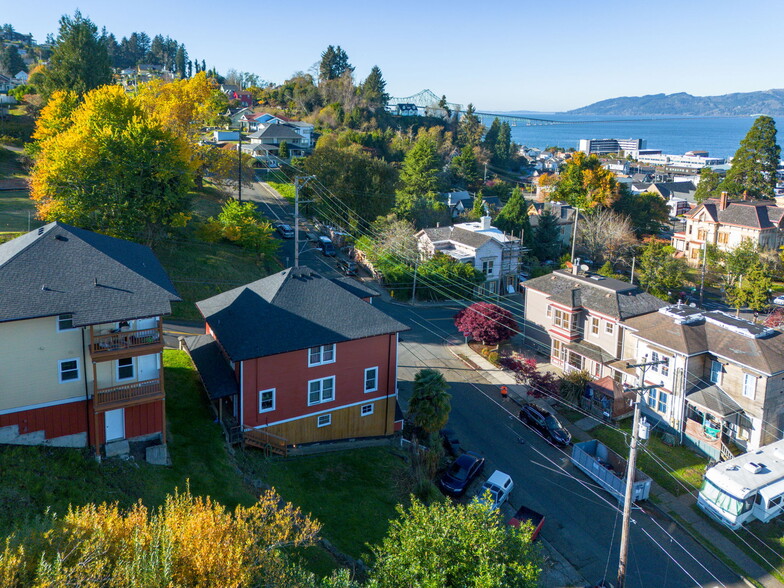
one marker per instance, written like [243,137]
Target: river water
[720,136]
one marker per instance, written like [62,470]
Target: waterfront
[720,136]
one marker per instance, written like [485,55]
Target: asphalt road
[582,521]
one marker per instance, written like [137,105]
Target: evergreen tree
[661,273]
[283,150]
[491,137]
[419,177]
[112,48]
[157,50]
[466,167]
[179,61]
[503,145]
[513,217]
[444,105]
[708,186]
[754,166]
[79,60]
[374,89]
[11,63]
[190,68]
[334,63]
[547,238]
[470,129]
[203,65]
[752,289]
[478,208]
[430,403]
[647,211]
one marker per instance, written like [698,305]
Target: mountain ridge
[770,102]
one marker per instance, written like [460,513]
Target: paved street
[583,522]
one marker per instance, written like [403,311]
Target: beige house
[577,320]
[722,382]
[727,223]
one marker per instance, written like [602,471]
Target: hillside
[770,102]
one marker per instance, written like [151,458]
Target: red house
[300,358]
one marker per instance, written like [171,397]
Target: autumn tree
[111,168]
[754,165]
[647,211]
[449,544]
[79,61]
[708,187]
[605,236]
[486,322]
[585,184]
[660,272]
[430,402]
[513,217]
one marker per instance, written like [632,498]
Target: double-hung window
[321,390]
[65,322]
[487,267]
[749,385]
[267,400]
[68,370]
[609,328]
[715,373]
[654,358]
[125,368]
[371,379]
[562,319]
[665,367]
[595,326]
[321,355]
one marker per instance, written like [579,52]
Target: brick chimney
[723,201]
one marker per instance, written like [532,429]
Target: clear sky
[499,54]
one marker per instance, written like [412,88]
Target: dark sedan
[544,422]
[451,442]
[461,473]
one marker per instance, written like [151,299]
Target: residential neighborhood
[314,327]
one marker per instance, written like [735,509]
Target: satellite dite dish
[584,268]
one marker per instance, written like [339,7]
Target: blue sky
[498,54]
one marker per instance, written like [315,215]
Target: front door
[114,421]
[149,367]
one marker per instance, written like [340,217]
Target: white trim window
[371,379]
[654,358]
[267,400]
[321,390]
[65,323]
[595,326]
[68,370]
[321,355]
[366,410]
[487,267]
[125,369]
[324,420]
[609,328]
[749,386]
[715,372]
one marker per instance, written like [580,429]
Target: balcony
[127,394]
[116,344]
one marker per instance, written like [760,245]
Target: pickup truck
[524,514]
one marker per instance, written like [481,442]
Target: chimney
[576,266]
[486,220]
[723,201]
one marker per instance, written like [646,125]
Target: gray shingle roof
[291,310]
[458,235]
[275,132]
[60,269]
[758,215]
[215,371]
[765,354]
[713,399]
[607,296]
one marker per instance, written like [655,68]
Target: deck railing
[128,394]
[122,340]
[269,443]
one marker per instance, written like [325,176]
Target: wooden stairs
[270,444]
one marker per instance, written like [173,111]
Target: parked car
[327,247]
[451,442]
[347,266]
[499,486]
[525,514]
[779,300]
[461,473]
[544,422]
[285,231]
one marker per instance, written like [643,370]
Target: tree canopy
[446,544]
[334,63]
[111,168]
[585,184]
[708,187]
[486,322]
[754,165]
[419,178]
[660,272]
[513,217]
[546,243]
[430,402]
[79,61]
[647,211]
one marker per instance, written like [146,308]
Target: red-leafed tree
[525,370]
[775,319]
[486,322]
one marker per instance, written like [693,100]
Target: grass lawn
[352,493]
[35,479]
[16,211]
[284,189]
[687,466]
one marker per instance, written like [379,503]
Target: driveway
[583,522]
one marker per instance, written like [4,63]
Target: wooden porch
[707,436]
[267,442]
[128,395]
[117,344]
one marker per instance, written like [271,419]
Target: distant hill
[770,102]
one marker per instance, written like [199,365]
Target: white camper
[747,487]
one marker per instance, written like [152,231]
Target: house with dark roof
[81,340]
[577,320]
[564,216]
[726,223]
[490,250]
[299,358]
[721,380]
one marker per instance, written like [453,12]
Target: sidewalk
[679,509]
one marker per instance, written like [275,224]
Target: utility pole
[702,278]
[574,232]
[239,167]
[413,288]
[485,172]
[630,467]
[634,258]
[299,181]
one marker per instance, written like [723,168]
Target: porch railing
[123,340]
[127,394]
[269,443]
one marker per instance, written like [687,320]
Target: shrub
[493,358]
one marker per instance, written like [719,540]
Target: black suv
[545,423]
